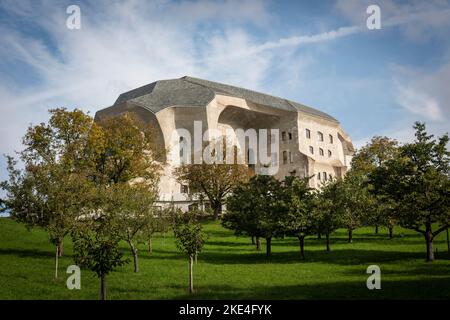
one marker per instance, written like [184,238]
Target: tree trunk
[253,240]
[376,229]
[429,243]
[217,210]
[103,287]
[150,245]
[350,235]
[56,260]
[391,232]
[258,243]
[191,277]
[319,236]
[268,246]
[328,242]
[134,252]
[301,239]
[60,248]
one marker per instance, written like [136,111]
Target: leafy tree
[216,181]
[418,182]
[299,219]
[96,244]
[256,209]
[123,148]
[49,191]
[134,206]
[189,239]
[371,156]
[326,209]
[158,222]
[352,202]
[124,160]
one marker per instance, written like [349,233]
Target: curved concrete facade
[311,143]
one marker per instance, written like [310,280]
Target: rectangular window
[311,149]
[324,176]
[308,134]
[319,136]
[283,136]
[331,138]
[291,157]
[318,176]
[285,157]
[290,135]
[184,188]
[321,151]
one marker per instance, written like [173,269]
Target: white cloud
[419,103]
[424,92]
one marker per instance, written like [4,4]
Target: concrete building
[311,142]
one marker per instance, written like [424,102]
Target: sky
[318,53]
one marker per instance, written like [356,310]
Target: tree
[122,149]
[299,219]
[256,209]
[326,210]
[124,160]
[134,207]
[216,181]
[189,239]
[158,222]
[418,182]
[96,245]
[371,156]
[49,191]
[352,202]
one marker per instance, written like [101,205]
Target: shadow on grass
[357,290]
[27,253]
[346,257]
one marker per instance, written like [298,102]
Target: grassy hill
[230,268]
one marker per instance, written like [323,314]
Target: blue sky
[376,82]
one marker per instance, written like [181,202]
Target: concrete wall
[225,112]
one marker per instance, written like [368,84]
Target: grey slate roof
[189,91]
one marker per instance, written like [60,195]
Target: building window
[285,157]
[331,138]
[181,146]
[324,176]
[321,151]
[329,153]
[308,134]
[283,136]
[291,157]
[319,136]
[184,188]
[330,177]
[290,135]
[311,149]
[318,176]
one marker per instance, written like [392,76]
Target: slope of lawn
[230,268]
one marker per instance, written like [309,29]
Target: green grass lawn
[230,268]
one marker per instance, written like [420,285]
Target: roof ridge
[197,84]
[240,88]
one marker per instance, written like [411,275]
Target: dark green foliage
[257,209]
[418,182]
[189,237]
